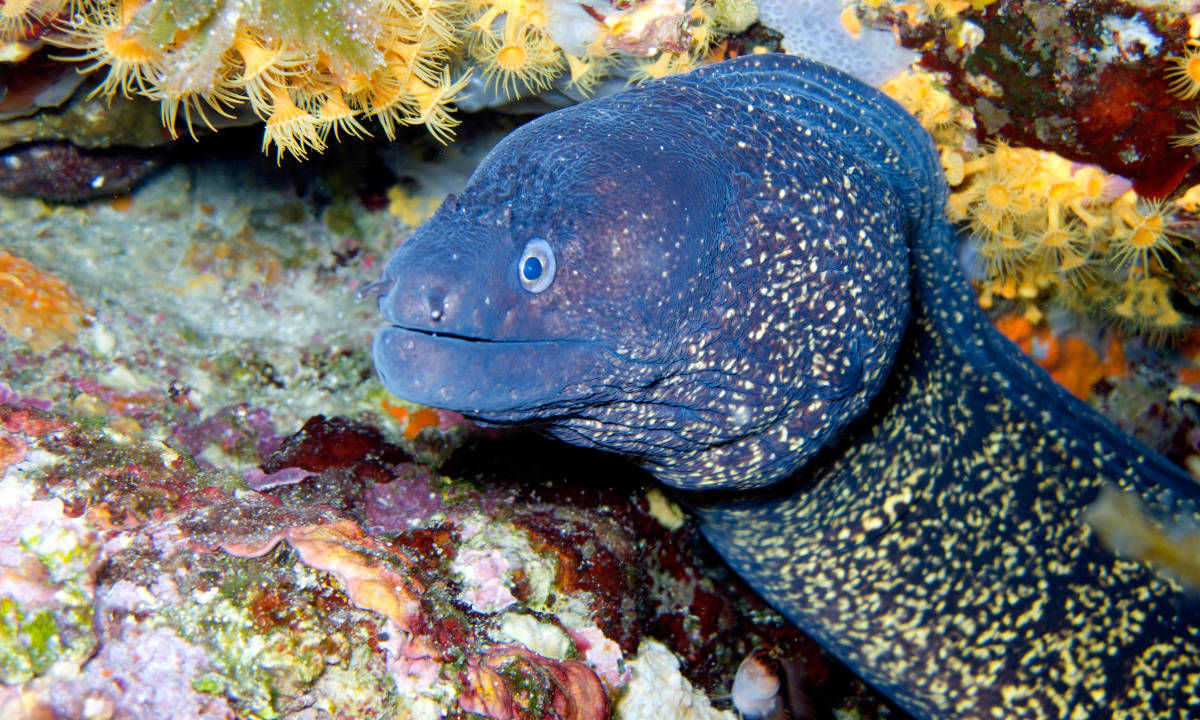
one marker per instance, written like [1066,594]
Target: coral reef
[1087,81]
[177,505]
[385,560]
[266,603]
[1064,132]
[1060,188]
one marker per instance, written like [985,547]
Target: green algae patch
[29,642]
[272,629]
[34,638]
[46,613]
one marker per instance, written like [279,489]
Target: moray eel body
[743,279]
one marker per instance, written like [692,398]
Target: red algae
[1088,81]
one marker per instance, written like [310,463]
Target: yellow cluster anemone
[1143,304]
[1183,78]
[1031,213]
[1046,229]
[311,68]
[515,54]
[522,46]
[923,96]
[304,67]
[19,17]
[1184,72]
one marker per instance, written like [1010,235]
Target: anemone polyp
[1184,72]
[1189,139]
[17,17]
[290,128]
[133,62]
[520,56]
[432,103]
[336,115]
[1144,304]
[1143,233]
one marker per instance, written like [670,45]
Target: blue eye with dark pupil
[532,269]
[536,266]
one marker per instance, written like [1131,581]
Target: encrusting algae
[35,305]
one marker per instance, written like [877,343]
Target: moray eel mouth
[492,380]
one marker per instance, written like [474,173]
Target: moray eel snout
[446,313]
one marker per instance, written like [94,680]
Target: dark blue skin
[756,296]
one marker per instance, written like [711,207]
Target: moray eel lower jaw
[504,370]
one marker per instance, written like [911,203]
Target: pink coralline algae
[330,586]
[564,689]
[485,571]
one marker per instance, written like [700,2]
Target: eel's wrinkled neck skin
[937,546]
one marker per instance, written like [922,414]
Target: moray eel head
[633,281]
[509,306]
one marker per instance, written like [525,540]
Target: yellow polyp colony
[922,95]
[36,306]
[1045,229]
[1144,304]
[310,68]
[513,43]
[1183,76]
[304,67]
[1140,232]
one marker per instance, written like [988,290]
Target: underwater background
[210,507]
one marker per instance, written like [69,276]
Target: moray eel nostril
[436,300]
[743,278]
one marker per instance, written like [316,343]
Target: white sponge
[814,29]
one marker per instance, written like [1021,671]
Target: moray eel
[743,279]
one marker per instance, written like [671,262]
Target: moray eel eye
[536,266]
